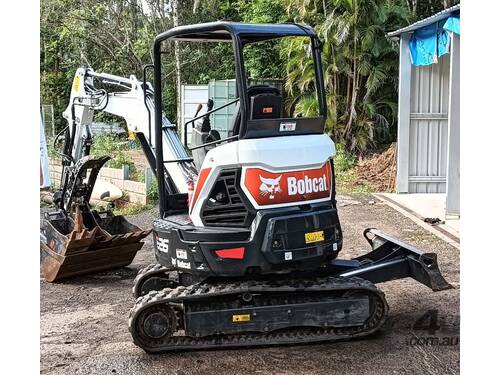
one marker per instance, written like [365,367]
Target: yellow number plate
[241,318]
[315,236]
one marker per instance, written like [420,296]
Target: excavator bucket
[86,243]
[75,240]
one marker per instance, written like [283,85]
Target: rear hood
[284,171]
[286,152]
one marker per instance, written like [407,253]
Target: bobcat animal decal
[270,186]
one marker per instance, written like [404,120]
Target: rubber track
[146,272]
[288,336]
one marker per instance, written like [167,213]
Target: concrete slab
[420,206]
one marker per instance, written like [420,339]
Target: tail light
[235,253]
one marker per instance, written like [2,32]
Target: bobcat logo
[270,186]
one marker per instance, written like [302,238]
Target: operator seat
[265,103]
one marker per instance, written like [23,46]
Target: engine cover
[275,172]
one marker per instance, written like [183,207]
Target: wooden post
[453,166]
[403,115]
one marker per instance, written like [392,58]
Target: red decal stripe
[236,253]
[202,178]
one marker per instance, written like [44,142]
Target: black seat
[265,103]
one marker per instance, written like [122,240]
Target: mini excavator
[248,237]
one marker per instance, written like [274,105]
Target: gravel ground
[84,320]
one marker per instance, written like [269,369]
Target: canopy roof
[222,31]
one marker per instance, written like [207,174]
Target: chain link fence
[48,120]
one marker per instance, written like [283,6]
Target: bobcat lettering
[306,185]
[266,188]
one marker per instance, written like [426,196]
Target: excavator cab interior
[262,101]
[266,102]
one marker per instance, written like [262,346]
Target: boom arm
[133,101]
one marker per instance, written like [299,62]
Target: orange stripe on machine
[202,178]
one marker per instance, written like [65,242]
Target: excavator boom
[74,239]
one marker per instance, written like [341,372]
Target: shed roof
[426,21]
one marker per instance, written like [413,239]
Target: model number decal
[287,126]
[162,244]
[182,254]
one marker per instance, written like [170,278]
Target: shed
[428,144]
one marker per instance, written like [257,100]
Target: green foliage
[132,209]
[344,161]
[262,60]
[112,146]
[152,192]
[359,62]
[51,151]
[425,8]
[346,174]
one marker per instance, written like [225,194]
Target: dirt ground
[84,320]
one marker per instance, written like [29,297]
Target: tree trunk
[354,87]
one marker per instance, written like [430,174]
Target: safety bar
[203,115]
[144,88]
[214,142]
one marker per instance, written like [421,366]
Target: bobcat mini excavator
[248,254]
[248,236]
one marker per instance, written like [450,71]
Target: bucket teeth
[79,225]
[70,248]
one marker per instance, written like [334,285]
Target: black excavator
[247,245]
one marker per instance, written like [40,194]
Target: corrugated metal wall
[222,92]
[191,96]
[428,127]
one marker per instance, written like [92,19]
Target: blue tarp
[430,42]
[452,24]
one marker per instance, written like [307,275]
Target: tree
[111,36]
[425,8]
[359,62]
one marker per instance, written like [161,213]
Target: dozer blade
[86,244]
[392,259]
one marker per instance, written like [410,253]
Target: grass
[132,209]
[44,204]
